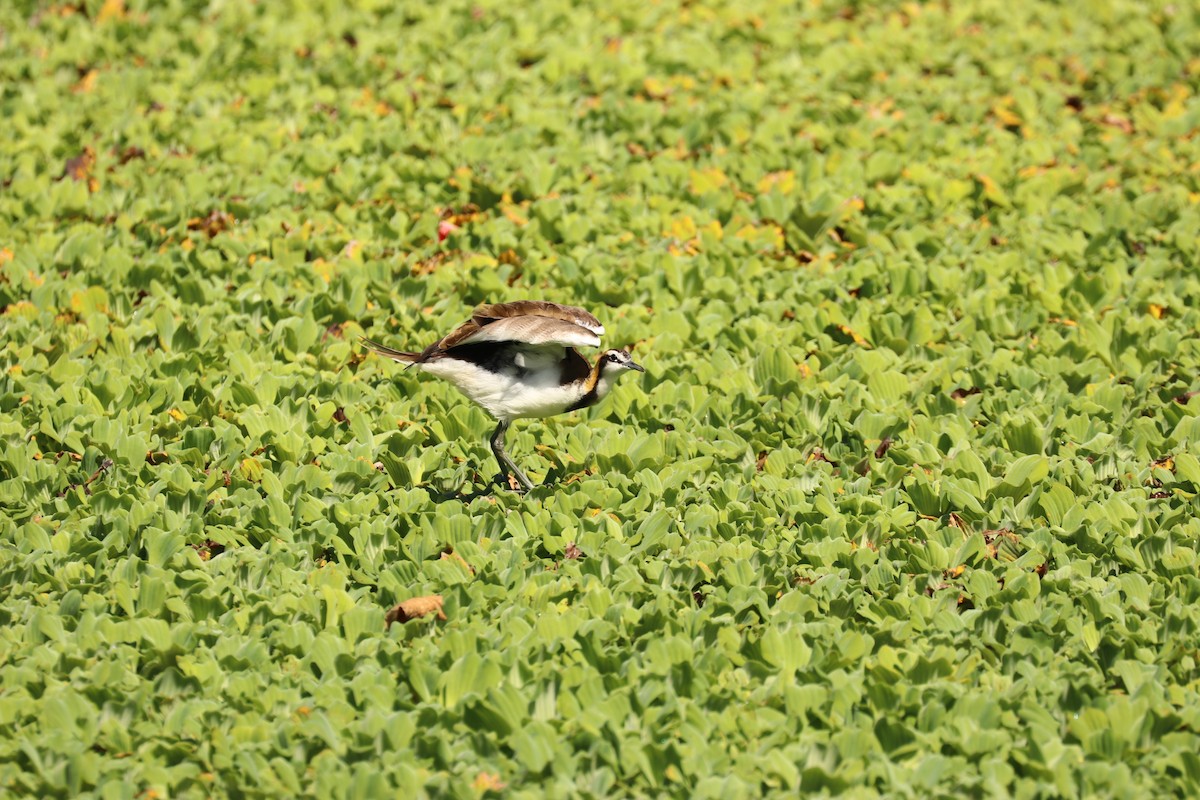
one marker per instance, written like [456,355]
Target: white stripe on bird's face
[614,362]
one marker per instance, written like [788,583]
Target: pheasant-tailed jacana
[518,360]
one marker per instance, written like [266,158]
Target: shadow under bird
[518,360]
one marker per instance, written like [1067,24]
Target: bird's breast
[512,392]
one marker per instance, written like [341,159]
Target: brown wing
[574,367]
[531,321]
[534,331]
[537,308]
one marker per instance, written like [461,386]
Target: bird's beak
[635,365]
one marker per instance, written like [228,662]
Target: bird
[518,360]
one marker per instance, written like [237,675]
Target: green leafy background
[906,501]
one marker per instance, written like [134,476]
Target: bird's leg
[502,458]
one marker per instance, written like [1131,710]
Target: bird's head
[615,362]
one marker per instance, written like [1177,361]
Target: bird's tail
[396,355]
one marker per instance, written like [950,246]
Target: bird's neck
[594,387]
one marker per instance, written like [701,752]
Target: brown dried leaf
[884,446]
[995,539]
[572,551]
[819,455]
[208,549]
[429,265]
[415,608]
[1166,462]
[130,153]
[1117,121]
[80,167]
[216,222]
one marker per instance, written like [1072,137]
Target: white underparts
[504,395]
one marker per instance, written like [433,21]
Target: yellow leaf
[1157,311]
[768,236]
[112,9]
[682,228]
[479,260]
[488,782]
[706,181]
[655,87]
[176,415]
[90,300]
[6,255]
[511,212]
[713,229]
[87,83]
[365,98]
[325,269]
[990,190]
[776,237]
[1004,114]
[784,182]
[858,340]
[251,469]
[23,309]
